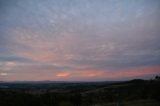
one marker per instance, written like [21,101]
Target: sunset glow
[62,74]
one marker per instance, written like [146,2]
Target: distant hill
[135,92]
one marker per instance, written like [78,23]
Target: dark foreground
[131,93]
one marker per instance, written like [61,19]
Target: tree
[157,78]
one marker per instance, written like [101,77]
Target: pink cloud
[84,75]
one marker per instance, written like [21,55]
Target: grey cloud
[76,34]
[6,58]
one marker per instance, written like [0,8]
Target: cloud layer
[79,40]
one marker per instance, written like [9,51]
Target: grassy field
[130,93]
[135,103]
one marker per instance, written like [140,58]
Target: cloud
[3,74]
[84,75]
[89,39]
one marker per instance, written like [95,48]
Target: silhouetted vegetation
[131,93]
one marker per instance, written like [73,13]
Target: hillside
[129,93]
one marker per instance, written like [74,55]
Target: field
[129,93]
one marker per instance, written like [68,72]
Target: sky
[79,40]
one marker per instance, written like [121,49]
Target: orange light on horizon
[63,74]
